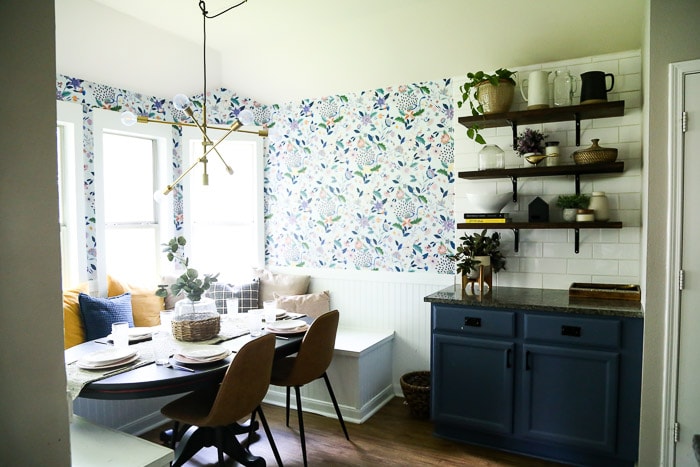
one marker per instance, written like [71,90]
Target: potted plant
[195,317]
[570,204]
[476,249]
[487,93]
[530,144]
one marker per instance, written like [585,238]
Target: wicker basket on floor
[416,390]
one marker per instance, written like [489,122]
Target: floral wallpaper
[357,181]
[363,181]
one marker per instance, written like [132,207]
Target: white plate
[286,324]
[200,361]
[107,356]
[296,330]
[203,352]
[140,332]
[105,366]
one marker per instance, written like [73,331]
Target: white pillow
[313,304]
[283,284]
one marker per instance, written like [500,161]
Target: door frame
[677,73]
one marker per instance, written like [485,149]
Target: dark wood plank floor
[390,438]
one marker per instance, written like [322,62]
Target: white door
[688,402]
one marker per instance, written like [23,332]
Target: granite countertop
[537,299]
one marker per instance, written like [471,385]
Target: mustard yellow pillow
[145,305]
[73,328]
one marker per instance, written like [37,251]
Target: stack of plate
[137,334]
[288,326]
[202,354]
[108,358]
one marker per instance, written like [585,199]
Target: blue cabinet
[560,386]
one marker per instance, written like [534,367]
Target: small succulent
[530,141]
[189,282]
[573,201]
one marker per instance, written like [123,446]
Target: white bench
[360,373]
[96,446]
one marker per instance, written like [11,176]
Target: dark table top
[154,381]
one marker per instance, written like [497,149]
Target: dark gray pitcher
[593,87]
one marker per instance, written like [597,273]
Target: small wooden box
[606,291]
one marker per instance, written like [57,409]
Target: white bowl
[488,202]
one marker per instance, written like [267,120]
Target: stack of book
[486,217]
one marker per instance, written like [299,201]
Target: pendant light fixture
[182,102]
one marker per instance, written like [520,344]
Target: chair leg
[335,404]
[251,431]
[297,393]
[288,388]
[268,433]
[219,437]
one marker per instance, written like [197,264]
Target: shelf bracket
[514,126]
[514,181]
[578,183]
[577,117]
[576,239]
[516,234]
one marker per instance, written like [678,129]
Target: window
[226,216]
[128,165]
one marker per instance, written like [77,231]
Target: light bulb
[181,102]
[159,196]
[128,118]
[246,117]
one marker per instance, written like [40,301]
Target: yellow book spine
[486,221]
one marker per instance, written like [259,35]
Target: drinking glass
[231,308]
[166,319]
[160,340]
[255,322]
[120,334]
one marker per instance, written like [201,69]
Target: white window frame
[190,134]
[110,121]
[72,229]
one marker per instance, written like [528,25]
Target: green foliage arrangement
[573,201]
[468,90]
[479,244]
[189,282]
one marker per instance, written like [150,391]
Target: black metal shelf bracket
[577,117]
[514,181]
[576,239]
[514,125]
[578,184]
[516,234]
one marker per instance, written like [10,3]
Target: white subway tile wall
[546,258]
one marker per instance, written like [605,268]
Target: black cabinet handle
[472,322]
[509,358]
[528,366]
[573,331]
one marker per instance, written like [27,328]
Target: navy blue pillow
[99,313]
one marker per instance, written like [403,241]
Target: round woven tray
[416,390]
[196,330]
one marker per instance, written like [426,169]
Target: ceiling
[282,50]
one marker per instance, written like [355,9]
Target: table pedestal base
[196,438]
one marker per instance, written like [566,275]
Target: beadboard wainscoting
[133,416]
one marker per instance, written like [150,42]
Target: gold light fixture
[182,102]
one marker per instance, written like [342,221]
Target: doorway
[685,310]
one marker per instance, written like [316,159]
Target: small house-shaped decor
[538,211]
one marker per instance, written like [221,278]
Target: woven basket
[495,99]
[594,154]
[416,390]
[196,330]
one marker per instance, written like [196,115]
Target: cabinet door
[473,383]
[570,396]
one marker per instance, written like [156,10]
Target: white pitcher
[538,89]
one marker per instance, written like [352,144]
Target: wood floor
[390,438]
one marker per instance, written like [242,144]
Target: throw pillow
[145,304]
[73,328]
[282,284]
[220,292]
[99,313]
[248,295]
[313,305]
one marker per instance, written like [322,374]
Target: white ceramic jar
[551,150]
[600,206]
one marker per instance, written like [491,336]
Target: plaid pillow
[220,292]
[248,295]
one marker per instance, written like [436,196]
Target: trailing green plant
[478,244]
[468,90]
[189,282]
[579,201]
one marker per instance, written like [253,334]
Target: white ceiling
[282,50]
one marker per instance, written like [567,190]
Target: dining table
[142,378]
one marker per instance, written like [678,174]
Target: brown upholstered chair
[309,364]
[212,413]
